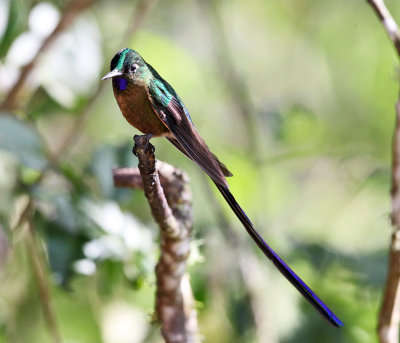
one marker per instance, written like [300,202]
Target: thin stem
[40,273]
[4,247]
[387,21]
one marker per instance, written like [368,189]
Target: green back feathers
[163,92]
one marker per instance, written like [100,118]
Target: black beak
[112,73]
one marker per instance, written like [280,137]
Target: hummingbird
[150,104]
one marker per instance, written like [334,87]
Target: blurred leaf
[300,127]
[110,273]
[76,178]
[361,268]
[21,140]
[240,312]
[63,249]
[105,158]
[29,176]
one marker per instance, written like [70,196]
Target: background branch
[389,317]
[40,273]
[4,248]
[69,15]
[170,205]
[39,269]
[234,82]
[387,21]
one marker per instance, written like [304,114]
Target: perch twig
[169,196]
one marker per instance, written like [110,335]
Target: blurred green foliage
[322,81]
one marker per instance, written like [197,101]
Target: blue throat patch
[121,83]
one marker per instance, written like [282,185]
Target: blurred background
[296,97]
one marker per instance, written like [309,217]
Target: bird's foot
[143,140]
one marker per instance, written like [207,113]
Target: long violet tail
[289,274]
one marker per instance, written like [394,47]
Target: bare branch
[389,316]
[388,22]
[128,177]
[131,178]
[170,205]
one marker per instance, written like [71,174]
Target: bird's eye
[134,67]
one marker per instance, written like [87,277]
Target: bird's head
[127,64]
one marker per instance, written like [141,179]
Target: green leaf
[22,141]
